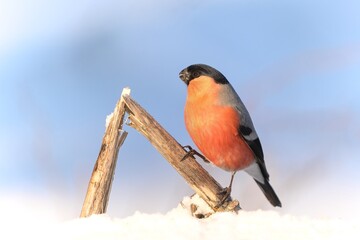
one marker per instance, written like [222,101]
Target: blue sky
[295,64]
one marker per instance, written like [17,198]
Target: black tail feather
[269,193]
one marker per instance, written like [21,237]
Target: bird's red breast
[214,127]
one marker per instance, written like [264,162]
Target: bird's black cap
[197,70]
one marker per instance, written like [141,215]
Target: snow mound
[179,224]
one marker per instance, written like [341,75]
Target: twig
[98,192]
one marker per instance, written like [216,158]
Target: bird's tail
[269,193]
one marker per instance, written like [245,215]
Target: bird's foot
[224,195]
[225,192]
[191,153]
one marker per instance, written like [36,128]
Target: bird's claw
[192,152]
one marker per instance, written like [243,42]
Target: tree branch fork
[98,192]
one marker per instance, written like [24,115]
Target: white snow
[201,206]
[108,119]
[178,223]
[125,92]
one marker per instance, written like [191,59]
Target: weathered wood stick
[194,174]
[99,188]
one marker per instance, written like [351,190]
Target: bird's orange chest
[213,126]
[202,108]
[205,120]
[209,123]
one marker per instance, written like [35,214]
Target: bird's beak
[184,75]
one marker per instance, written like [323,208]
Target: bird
[221,127]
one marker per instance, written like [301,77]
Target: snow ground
[175,224]
[178,224]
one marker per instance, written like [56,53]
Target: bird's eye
[196,74]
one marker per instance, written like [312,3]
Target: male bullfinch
[220,126]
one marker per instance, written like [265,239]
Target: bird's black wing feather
[255,146]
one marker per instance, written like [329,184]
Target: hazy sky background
[63,64]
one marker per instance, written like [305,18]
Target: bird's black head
[198,70]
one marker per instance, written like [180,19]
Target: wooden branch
[194,174]
[98,192]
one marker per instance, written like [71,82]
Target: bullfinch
[221,128]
